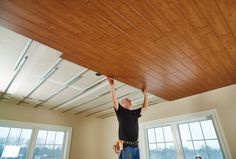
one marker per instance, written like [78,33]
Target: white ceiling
[33,74]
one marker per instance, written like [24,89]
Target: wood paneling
[175,48]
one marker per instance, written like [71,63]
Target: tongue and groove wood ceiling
[175,48]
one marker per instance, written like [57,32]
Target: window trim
[179,119]
[35,128]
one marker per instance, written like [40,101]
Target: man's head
[126,103]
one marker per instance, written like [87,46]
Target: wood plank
[174,15]
[228,11]
[216,20]
[195,18]
[151,14]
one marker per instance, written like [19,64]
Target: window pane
[200,149]
[52,147]
[1,149]
[188,150]
[152,146]
[159,135]
[184,131]
[13,151]
[161,150]
[214,150]
[25,136]
[38,151]
[48,151]
[59,138]
[208,129]
[45,152]
[57,151]
[10,151]
[170,151]
[41,137]
[51,137]
[153,151]
[23,151]
[14,136]
[196,131]
[3,134]
[168,134]
[151,136]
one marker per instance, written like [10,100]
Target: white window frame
[174,121]
[35,128]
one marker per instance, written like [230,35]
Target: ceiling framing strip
[108,92]
[67,84]
[106,116]
[23,53]
[111,108]
[89,109]
[45,77]
[118,98]
[18,66]
[103,94]
[17,71]
[97,85]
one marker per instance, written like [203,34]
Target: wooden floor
[175,48]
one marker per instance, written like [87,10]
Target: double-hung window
[194,136]
[199,139]
[14,142]
[21,140]
[160,142]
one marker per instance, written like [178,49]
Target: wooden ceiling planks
[176,48]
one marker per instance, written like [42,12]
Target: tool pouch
[118,146]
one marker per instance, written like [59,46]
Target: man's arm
[113,93]
[145,101]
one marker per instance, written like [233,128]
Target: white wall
[223,100]
[84,133]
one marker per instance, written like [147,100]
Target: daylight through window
[33,141]
[189,139]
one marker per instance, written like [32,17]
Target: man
[128,123]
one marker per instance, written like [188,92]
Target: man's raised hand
[111,81]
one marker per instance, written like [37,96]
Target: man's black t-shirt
[128,123]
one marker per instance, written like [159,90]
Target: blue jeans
[129,153]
